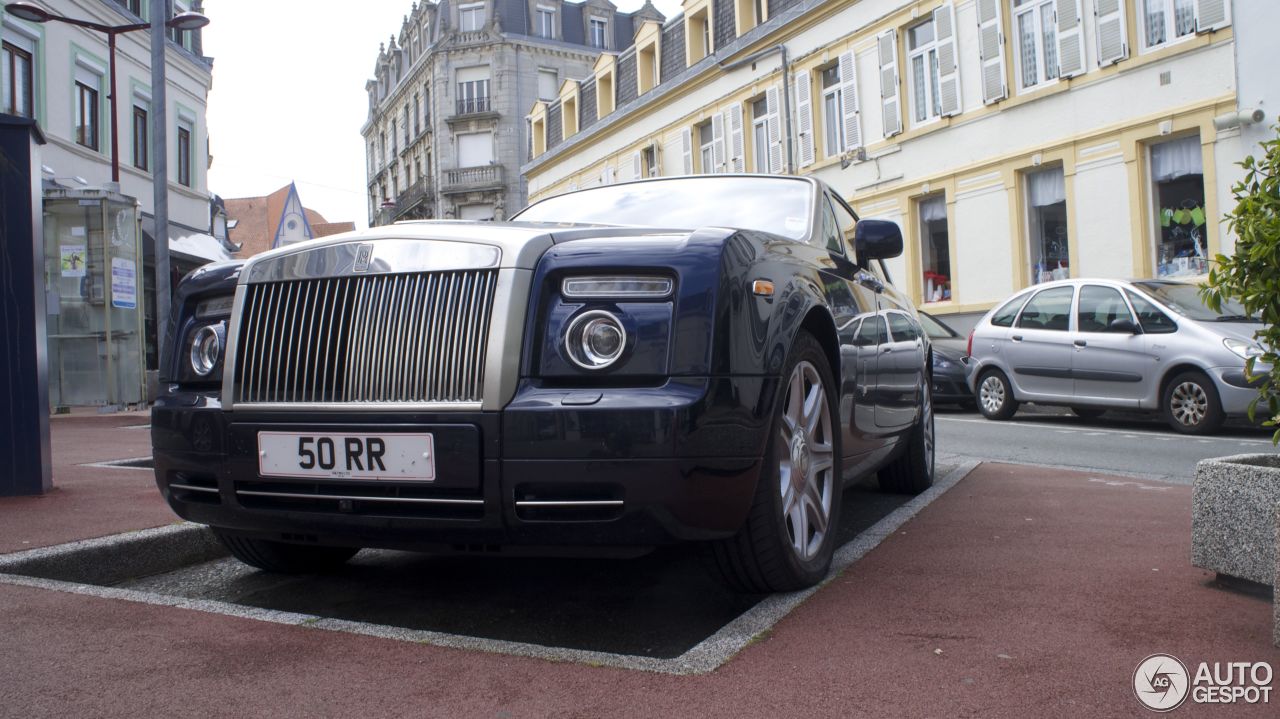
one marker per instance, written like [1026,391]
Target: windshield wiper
[1235,318]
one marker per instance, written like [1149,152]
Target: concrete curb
[64,569]
[112,559]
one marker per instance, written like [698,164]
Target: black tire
[1088,412]
[912,472]
[763,556]
[999,403]
[1191,404]
[282,557]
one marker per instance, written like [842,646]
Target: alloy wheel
[806,476]
[991,394]
[1189,404]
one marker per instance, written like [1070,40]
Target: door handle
[1080,343]
[1016,338]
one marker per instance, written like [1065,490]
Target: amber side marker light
[762,288]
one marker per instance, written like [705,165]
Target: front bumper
[1236,390]
[950,383]
[603,467]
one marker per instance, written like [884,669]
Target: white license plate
[347,456]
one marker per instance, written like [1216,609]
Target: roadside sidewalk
[1021,592]
[88,502]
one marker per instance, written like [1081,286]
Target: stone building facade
[447,131]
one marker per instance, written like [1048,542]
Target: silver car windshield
[780,206]
[1185,300]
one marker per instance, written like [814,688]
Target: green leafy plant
[1252,275]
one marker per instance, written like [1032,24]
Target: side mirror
[1123,325]
[876,240]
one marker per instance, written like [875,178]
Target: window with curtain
[1048,254]
[922,56]
[1163,21]
[1181,221]
[935,248]
[1037,35]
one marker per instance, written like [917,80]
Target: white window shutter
[1109,25]
[717,143]
[991,51]
[944,23]
[738,159]
[686,146]
[773,124]
[1070,38]
[636,171]
[804,117]
[849,102]
[887,47]
[1212,15]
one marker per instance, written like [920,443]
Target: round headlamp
[206,349]
[595,339]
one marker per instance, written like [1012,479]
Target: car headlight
[206,348]
[620,287]
[595,340]
[1242,349]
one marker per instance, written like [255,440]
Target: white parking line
[1096,431]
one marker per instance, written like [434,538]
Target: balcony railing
[472,178]
[406,201]
[473,105]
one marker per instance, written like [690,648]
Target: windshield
[935,329]
[1185,300]
[777,205]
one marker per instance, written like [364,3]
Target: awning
[199,246]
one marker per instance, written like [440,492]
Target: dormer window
[749,13]
[598,32]
[698,38]
[471,17]
[648,54]
[546,21]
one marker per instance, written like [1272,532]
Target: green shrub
[1252,275]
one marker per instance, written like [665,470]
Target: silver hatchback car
[1094,345]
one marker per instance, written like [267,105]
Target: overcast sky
[288,96]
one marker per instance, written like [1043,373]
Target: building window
[698,34]
[87,115]
[417,115]
[181,37]
[546,21]
[394,147]
[1163,21]
[1049,254]
[134,6]
[475,149]
[184,156]
[706,149]
[140,137]
[548,85]
[649,162]
[935,248]
[647,71]
[598,32]
[473,90]
[471,17]
[760,134]
[1177,174]
[922,58]
[406,127]
[18,81]
[832,115]
[382,139]
[1033,22]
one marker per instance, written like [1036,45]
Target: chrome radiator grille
[408,338]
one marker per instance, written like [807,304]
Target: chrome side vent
[371,339]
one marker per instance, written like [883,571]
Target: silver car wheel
[991,394]
[806,476]
[1189,404]
[927,418]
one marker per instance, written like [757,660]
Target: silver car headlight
[1243,350]
[206,348]
[595,340]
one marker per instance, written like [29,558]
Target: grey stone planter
[1233,516]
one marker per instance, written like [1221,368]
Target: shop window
[935,248]
[1177,176]
[1047,226]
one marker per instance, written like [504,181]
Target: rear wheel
[789,536]
[283,557]
[1191,404]
[995,396]
[1087,412]
[912,473]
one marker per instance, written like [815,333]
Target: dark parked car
[950,362]
[617,368]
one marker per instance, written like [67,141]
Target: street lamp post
[181,21]
[159,158]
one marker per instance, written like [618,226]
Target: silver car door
[1039,348]
[1110,366]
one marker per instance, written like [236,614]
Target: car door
[1039,350]
[1108,366]
[900,366]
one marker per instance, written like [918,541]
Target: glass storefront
[935,249]
[1049,255]
[93,280]
[1177,174]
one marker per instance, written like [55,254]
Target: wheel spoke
[821,458]
[815,406]
[795,399]
[799,528]
[817,515]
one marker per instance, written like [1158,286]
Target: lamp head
[28,12]
[188,21]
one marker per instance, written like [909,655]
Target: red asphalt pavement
[1041,588]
